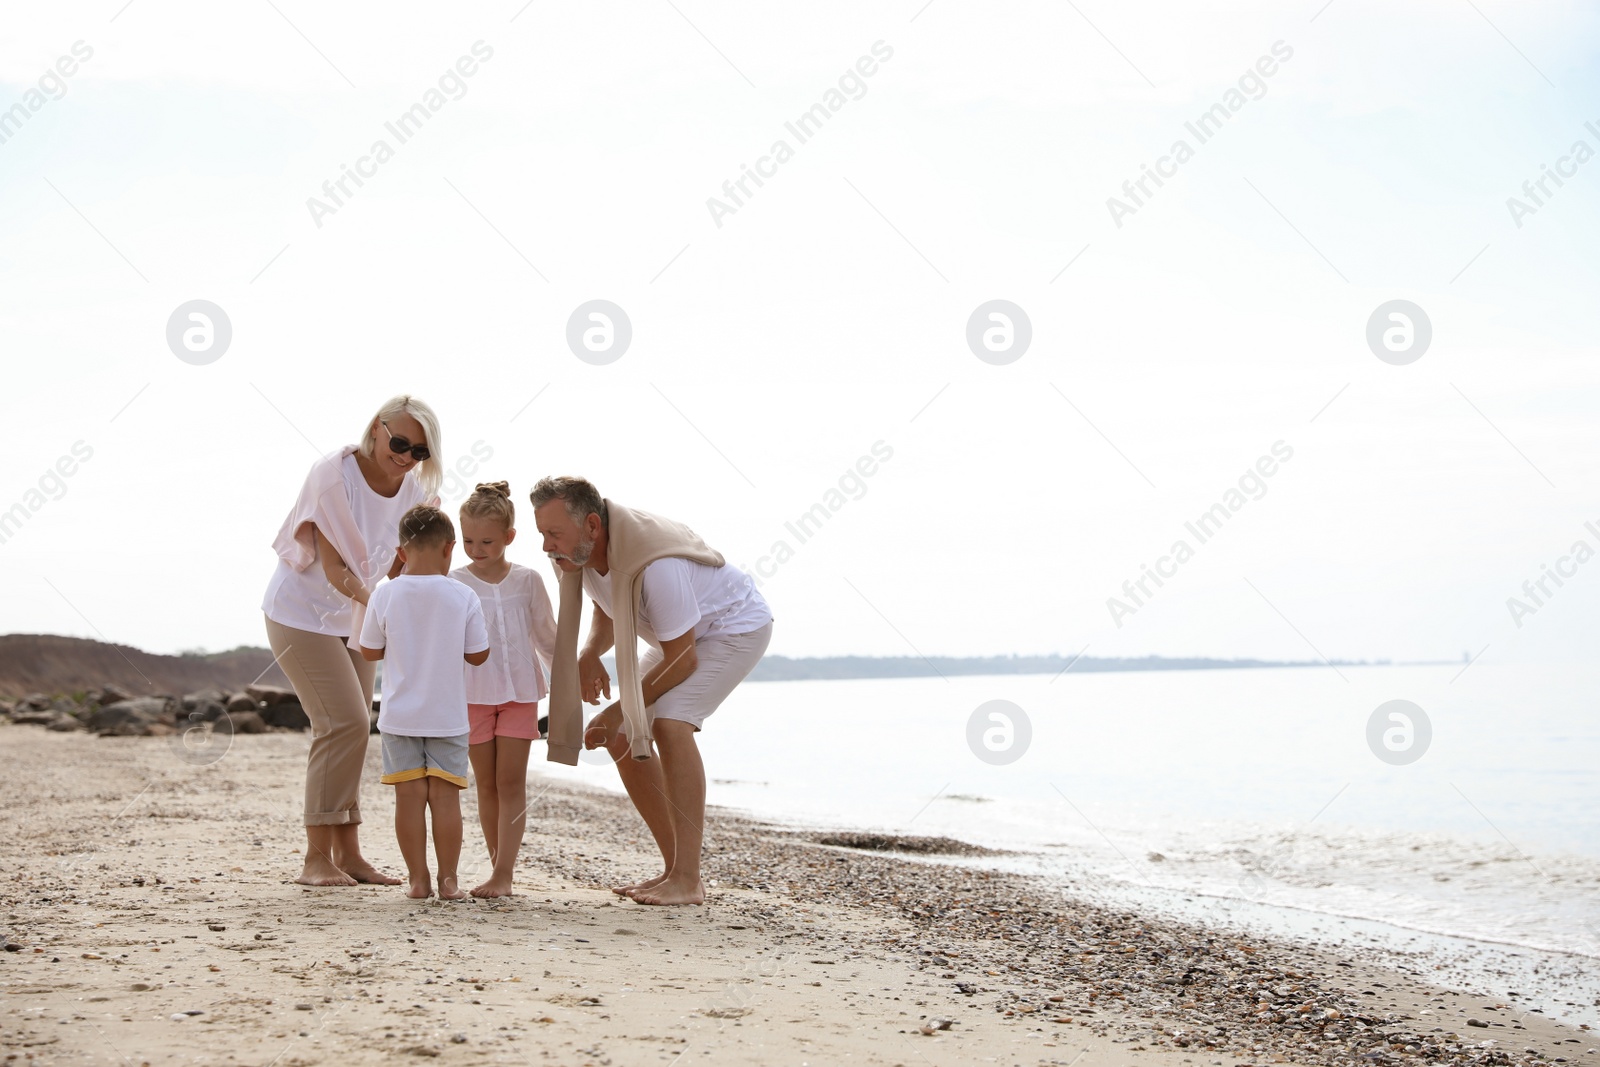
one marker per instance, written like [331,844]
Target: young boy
[419,624]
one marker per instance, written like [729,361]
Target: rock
[203,710]
[133,718]
[111,694]
[63,724]
[192,701]
[36,701]
[937,1023]
[6,708]
[65,706]
[1478,1022]
[241,702]
[248,722]
[271,695]
[29,716]
[216,928]
[289,715]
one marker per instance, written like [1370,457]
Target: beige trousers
[334,685]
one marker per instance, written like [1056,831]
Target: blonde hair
[430,472]
[491,500]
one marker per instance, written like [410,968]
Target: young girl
[503,694]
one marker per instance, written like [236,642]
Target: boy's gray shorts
[407,758]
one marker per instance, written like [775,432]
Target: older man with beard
[707,627]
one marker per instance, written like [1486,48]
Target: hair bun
[497,488]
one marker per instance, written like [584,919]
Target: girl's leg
[511,765]
[411,832]
[444,804]
[484,757]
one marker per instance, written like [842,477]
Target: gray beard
[580,555]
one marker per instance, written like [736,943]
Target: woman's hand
[340,576]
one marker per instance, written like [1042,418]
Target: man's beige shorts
[722,662]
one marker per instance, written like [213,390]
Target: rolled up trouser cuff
[334,818]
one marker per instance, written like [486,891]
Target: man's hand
[593,679]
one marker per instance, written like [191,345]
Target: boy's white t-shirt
[424,623]
[680,595]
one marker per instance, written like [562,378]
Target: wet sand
[150,918]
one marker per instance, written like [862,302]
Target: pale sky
[830,311]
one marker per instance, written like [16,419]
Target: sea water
[1246,797]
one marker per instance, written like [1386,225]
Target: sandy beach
[150,919]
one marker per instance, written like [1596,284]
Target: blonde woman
[337,542]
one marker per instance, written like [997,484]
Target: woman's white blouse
[522,638]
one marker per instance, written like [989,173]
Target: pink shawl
[324,502]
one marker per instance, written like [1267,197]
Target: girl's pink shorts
[514,719]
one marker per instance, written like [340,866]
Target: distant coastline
[784,669]
[48,663]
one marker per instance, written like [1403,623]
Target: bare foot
[648,883]
[367,874]
[319,870]
[673,891]
[420,888]
[448,890]
[497,886]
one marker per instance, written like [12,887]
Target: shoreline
[163,887]
[1295,914]
[1536,976]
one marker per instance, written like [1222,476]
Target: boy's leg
[684,795]
[485,758]
[411,831]
[444,804]
[511,766]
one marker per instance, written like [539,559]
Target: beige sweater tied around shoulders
[635,539]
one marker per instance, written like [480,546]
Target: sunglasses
[400,444]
